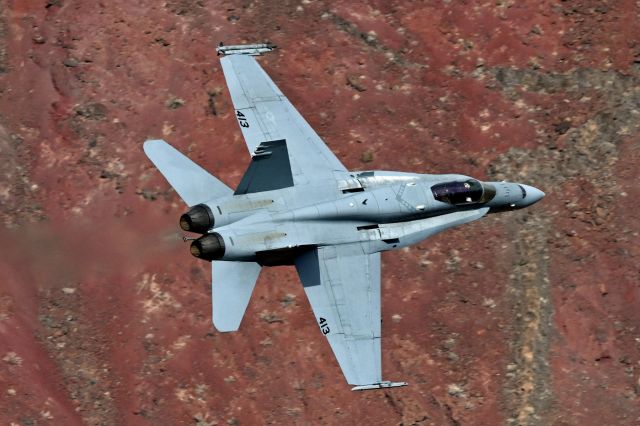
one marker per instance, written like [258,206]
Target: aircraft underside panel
[342,284]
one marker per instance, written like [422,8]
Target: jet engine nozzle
[208,247]
[198,219]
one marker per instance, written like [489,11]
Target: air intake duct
[198,219]
[208,247]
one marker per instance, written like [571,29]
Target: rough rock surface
[527,318]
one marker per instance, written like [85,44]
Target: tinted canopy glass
[467,192]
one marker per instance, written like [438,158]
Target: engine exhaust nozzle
[198,219]
[208,247]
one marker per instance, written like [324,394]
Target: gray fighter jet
[298,205]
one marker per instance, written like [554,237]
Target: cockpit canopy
[468,192]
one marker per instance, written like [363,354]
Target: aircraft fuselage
[385,210]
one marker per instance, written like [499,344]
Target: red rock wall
[528,318]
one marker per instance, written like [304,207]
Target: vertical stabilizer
[193,183]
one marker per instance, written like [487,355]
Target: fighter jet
[298,205]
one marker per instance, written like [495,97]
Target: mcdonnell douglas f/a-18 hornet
[298,205]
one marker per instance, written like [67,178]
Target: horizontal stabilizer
[381,385]
[193,183]
[232,285]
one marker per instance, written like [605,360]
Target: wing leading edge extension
[342,284]
[264,114]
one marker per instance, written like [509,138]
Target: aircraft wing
[342,284]
[267,120]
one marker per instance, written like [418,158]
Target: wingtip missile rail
[245,49]
[381,385]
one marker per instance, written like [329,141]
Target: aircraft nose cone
[533,194]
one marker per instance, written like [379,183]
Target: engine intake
[208,247]
[198,219]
